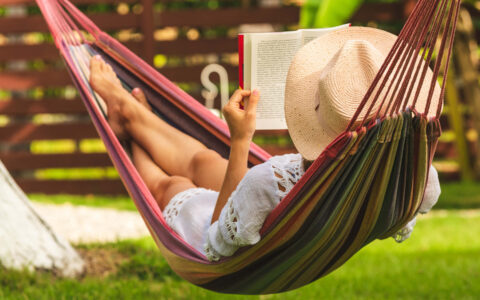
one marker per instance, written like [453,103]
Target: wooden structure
[36,100]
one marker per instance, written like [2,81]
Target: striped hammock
[366,185]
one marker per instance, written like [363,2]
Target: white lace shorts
[189,213]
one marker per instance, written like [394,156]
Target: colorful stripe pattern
[366,185]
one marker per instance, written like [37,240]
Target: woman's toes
[109,70]
[103,66]
[102,77]
[140,96]
[110,73]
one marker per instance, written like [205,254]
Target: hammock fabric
[366,185]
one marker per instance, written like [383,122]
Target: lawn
[440,261]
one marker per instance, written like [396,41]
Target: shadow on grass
[126,259]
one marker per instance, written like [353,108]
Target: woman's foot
[119,102]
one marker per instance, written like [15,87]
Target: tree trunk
[455,120]
[466,61]
[26,241]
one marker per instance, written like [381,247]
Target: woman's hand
[241,122]
[242,127]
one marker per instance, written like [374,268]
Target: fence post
[147,27]
[466,59]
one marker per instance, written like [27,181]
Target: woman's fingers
[252,102]
[238,96]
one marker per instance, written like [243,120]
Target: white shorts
[189,213]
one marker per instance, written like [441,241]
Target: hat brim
[307,131]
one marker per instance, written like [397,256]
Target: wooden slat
[113,21]
[17,2]
[74,187]
[28,52]
[24,107]
[32,2]
[28,79]
[22,24]
[175,47]
[106,21]
[22,161]
[203,46]
[446,151]
[44,51]
[228,16]
[18,133]
[27,161]
[219,17]
[379,12]
[192,74]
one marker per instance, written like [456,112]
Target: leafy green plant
[327,13]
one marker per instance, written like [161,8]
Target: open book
[264,59]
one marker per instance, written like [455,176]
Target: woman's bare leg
[162,186]
[206,168]
[173,151]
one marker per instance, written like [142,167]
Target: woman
[218,205]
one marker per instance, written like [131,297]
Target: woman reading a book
[219,205]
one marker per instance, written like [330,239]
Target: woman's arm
[241,123]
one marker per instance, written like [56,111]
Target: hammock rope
[366,185]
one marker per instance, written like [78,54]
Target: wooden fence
[37,102]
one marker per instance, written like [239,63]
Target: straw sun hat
[328,79]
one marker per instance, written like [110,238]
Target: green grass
[118,202]
[440,261]
[457,195]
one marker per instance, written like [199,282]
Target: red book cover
[240,60]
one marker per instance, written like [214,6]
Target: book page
[310,34]
[271,57]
